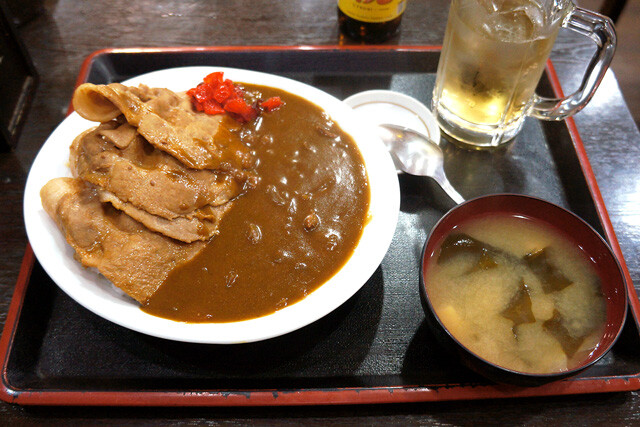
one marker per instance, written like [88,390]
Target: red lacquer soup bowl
[595,252]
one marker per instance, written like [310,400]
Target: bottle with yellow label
[372,21]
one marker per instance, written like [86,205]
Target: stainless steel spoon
[417,154]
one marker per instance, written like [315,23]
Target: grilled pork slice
[150,185]
[186,229]
[134,258]
[168,121]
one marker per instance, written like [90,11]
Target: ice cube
[517,20]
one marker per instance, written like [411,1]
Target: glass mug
[493,56]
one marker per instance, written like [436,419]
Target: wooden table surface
[67,31]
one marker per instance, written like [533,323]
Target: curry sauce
[287,235]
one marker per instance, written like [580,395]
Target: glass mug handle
[600,29]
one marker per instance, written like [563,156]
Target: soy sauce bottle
[370,21]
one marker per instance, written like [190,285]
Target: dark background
[67,31]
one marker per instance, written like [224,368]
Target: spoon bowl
[417,154]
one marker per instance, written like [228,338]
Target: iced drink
[493,55]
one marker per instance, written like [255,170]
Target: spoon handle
[451,192]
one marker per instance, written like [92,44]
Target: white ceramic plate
[94,292]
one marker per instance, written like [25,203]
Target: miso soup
[518,294]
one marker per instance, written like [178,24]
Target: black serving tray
[374,348]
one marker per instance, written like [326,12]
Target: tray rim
[322,396]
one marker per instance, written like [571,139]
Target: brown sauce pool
[287,236]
